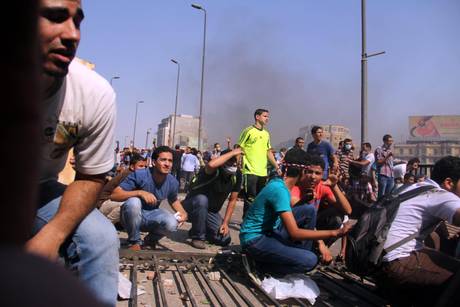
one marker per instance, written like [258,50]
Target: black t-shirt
[219,186]
[177,155]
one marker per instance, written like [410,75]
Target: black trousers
[253,184]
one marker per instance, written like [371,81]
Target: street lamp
[135,121]
[198,7]
[147,137]
[111,79]
[364,57]
[175,106]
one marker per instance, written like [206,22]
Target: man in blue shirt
[280,237]
[323,149]
[142,192]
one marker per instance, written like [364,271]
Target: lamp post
[364,57]
[135,122]
[114,77]
[200,121]
[175,105]
[147,137]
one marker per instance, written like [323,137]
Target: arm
[119,194]
[177,206]
[362,163]
[272,160]
[228,213]
[219,161]
[341,202]
[77,202]
[298,234]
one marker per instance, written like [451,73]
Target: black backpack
[364,251]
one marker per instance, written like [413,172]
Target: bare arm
[77,202]
[298,234]
[272,160]
[362,163]
[177,206]
[119,194]
[228,213]
[342,202]
[219,161]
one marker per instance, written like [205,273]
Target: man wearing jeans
[207,195]
[79,112]
[384,158]
[142,192]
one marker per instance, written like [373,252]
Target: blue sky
[298,58]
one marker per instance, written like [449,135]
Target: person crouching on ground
[142,193]
[277,236]
[208,192]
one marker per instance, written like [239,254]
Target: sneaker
[198,244]
[135,247]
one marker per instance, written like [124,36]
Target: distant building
[332,133]
[186,131]
[431,138]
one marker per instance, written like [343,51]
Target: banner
[435,127]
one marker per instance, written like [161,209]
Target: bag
[364,251]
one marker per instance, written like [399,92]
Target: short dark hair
[135,157]
[316,160]
[413,160]
[259,112]
[367,144]
[216,144]
[447,167]
[295,156]
[298,139]
[347,140]
[386,137]
[156,153]
[315,128]
[177,146]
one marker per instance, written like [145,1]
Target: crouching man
[142,193]
[277,236]
[208,192]
[413,275]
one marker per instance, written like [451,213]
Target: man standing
[189,165]
[299,143]
[177,158]
[323,149]
[255,143]
[214,183]
[216,152]
[384,158]
[79,113]
[344,156]
[142,192]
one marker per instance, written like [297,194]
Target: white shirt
[416,214]
[81,115]
[371,158]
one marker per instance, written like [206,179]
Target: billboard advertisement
[435,127]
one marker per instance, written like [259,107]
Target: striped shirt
[385,169]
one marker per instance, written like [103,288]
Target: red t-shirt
[322,192]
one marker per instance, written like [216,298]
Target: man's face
[312,176]
[137,165]
[300,143]
[318,135]
[217,147]
[59,28]
[388,142]
[164,163]
[263,118]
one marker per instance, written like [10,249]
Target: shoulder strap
[207,182]
[404,197]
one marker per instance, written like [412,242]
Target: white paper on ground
[291,286]
[124,287]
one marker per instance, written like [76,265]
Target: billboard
[435,127]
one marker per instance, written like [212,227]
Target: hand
[183,217]
[223,230]
[237,151]
[149,198]
[331,180]
[44,244]
[278,171]
[344,230]
[325,254]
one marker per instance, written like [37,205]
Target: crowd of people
[296,202]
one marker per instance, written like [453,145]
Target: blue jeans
[91,250]
[158,222]
[278,253]
[386,184]
[205,224]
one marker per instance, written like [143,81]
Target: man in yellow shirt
[255,142]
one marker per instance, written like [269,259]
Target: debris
[214,276]
[184,297]
[124,287]
[150,275]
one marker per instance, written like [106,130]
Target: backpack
[364,251]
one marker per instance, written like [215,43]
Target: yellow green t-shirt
[255,143]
